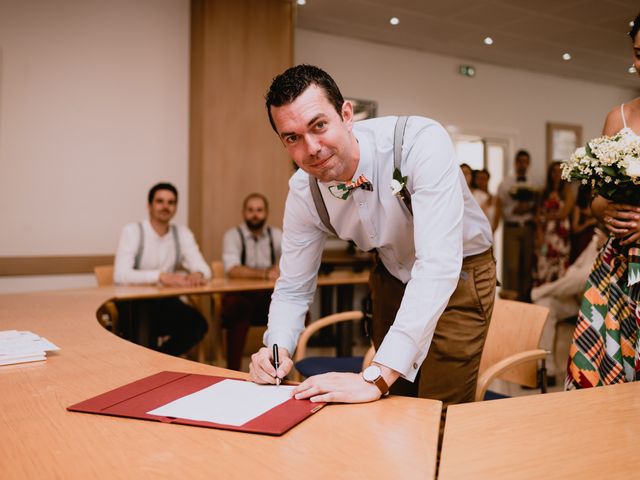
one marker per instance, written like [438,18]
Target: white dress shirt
[509,203]
[257,250]
[425,250]
[158,254]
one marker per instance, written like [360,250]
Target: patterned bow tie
[342,190]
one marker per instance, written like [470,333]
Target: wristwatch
[373,374]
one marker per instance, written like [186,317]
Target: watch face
[371,373]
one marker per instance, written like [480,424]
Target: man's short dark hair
[161,186]
[521,153]
[290,84]
[256,195]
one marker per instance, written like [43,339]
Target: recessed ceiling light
[301,2]
[394,20]
[566,56]
[488,41]
[632,69]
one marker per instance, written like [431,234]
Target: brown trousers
[519,255]
[450,371]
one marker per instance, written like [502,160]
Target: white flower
[581,152]
[396,187]
[632,166]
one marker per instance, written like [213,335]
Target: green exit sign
[467,70]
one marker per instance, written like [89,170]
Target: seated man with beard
[250,250]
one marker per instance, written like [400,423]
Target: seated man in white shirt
[155,251]
[250,250]
[433,286]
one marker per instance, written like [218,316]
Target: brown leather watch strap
[382,385]
[378,381]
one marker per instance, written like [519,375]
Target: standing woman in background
[553,226]
[468,174]
[481,193]
[605,343]
[583,223]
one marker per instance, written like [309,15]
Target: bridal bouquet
[611,165]
[523,192]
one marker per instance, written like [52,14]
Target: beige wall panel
[237,48]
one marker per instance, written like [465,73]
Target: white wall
[515,104]
[93,111]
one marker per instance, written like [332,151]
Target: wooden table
[592,433]
[213,340]
[226,285]
[391,438]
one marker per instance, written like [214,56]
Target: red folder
[135,399]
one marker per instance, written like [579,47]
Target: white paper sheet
[229,402]
[18,347]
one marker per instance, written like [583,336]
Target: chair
[107,313]
[511,350]
[308,366]
[104,275]
[217,271]
[254,335]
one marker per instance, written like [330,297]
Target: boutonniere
[399,183]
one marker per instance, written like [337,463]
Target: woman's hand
[623,222]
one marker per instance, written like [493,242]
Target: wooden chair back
[350,316]
[104,275]
[217,269]
[107,313]
[512,342]
[215,327]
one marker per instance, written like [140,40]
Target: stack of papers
[21,347]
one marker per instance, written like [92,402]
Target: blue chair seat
[316,365]
[489,395]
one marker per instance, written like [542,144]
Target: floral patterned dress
[555,247]
[605,348]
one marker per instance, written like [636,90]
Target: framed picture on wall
[562,141]
[363,109]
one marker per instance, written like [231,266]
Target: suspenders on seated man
[250,250]
[155,251]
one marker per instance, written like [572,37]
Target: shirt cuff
[282,339]
[400,353]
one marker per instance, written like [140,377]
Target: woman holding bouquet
[553,224]
[606,343]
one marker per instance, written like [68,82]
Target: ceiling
[527,34]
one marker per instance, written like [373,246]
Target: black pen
[276,362]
